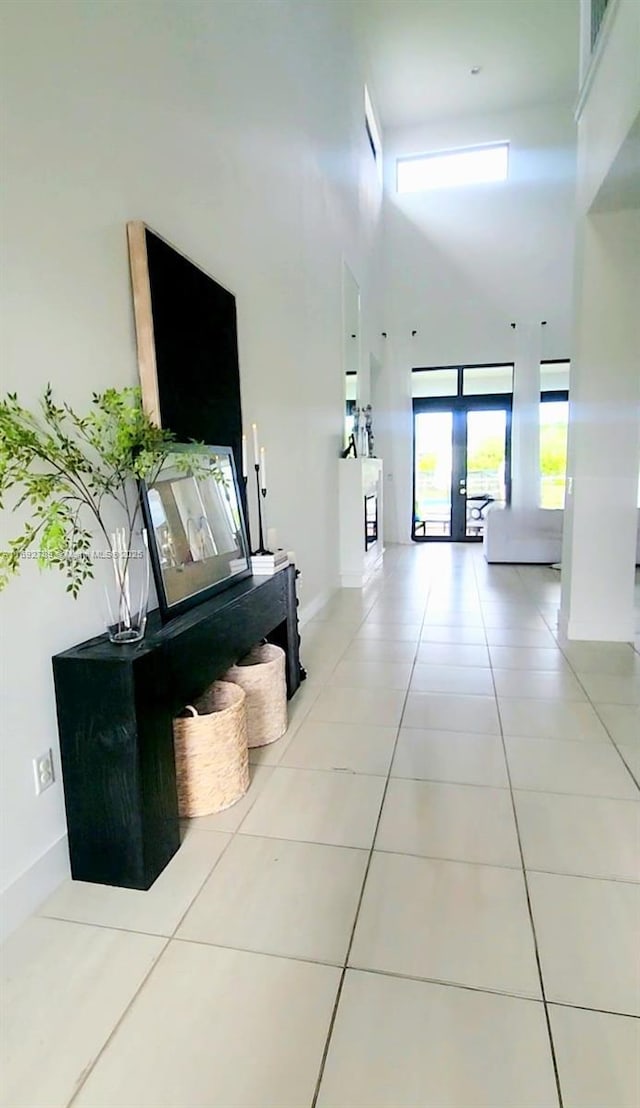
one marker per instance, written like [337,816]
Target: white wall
[601,518]
[609,102]
[463,263]
[236,131]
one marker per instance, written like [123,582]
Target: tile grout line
[503,788]
[121,929]
[576,674]
[603,1011]
[337,965]
[92,1065]
[443,982]
[636,780]
[528,896]
[343,974]
[593,704]
[169,940]
[325,962]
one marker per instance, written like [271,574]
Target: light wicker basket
[212,760]
[261,673]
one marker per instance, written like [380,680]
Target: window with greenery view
[554,419]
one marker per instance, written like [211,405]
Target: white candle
[256,452]
[121,573]
[244,455]
[263,467]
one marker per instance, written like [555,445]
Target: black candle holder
[246,511]
[262,548]
[264,497]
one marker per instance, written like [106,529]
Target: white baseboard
[314,606]
[353,580]
[28,892]
[594,631]
[359,578]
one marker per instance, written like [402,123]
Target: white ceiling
[420,53]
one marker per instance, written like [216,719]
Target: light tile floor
[429,898]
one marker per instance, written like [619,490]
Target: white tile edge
[20,899]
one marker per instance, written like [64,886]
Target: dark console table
[115,710]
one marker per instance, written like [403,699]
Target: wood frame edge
[143,317]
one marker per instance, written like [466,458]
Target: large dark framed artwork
[187,340]
[197,536]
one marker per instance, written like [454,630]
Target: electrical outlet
[43,771]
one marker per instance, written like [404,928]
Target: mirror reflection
[350,346]
[194,519]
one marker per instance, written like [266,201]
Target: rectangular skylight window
[452,168]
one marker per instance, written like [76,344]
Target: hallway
[428,899]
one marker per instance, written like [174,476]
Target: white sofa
[523,535]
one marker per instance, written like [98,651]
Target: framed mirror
[197,535]
[350,346]
[351,401]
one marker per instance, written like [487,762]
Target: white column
[384,431]
[394,437]
[601,516]
[525,426]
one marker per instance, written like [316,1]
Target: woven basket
[212,761]
[261,673]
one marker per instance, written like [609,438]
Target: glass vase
[127,588]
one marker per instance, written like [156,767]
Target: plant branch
[86,460]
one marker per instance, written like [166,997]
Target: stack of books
[264,564]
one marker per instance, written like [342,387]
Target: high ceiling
[420,54]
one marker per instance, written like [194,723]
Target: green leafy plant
[66,467]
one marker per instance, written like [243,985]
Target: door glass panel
[434,382]
[554,419]
[433,461]
[482,379]
[486,466]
